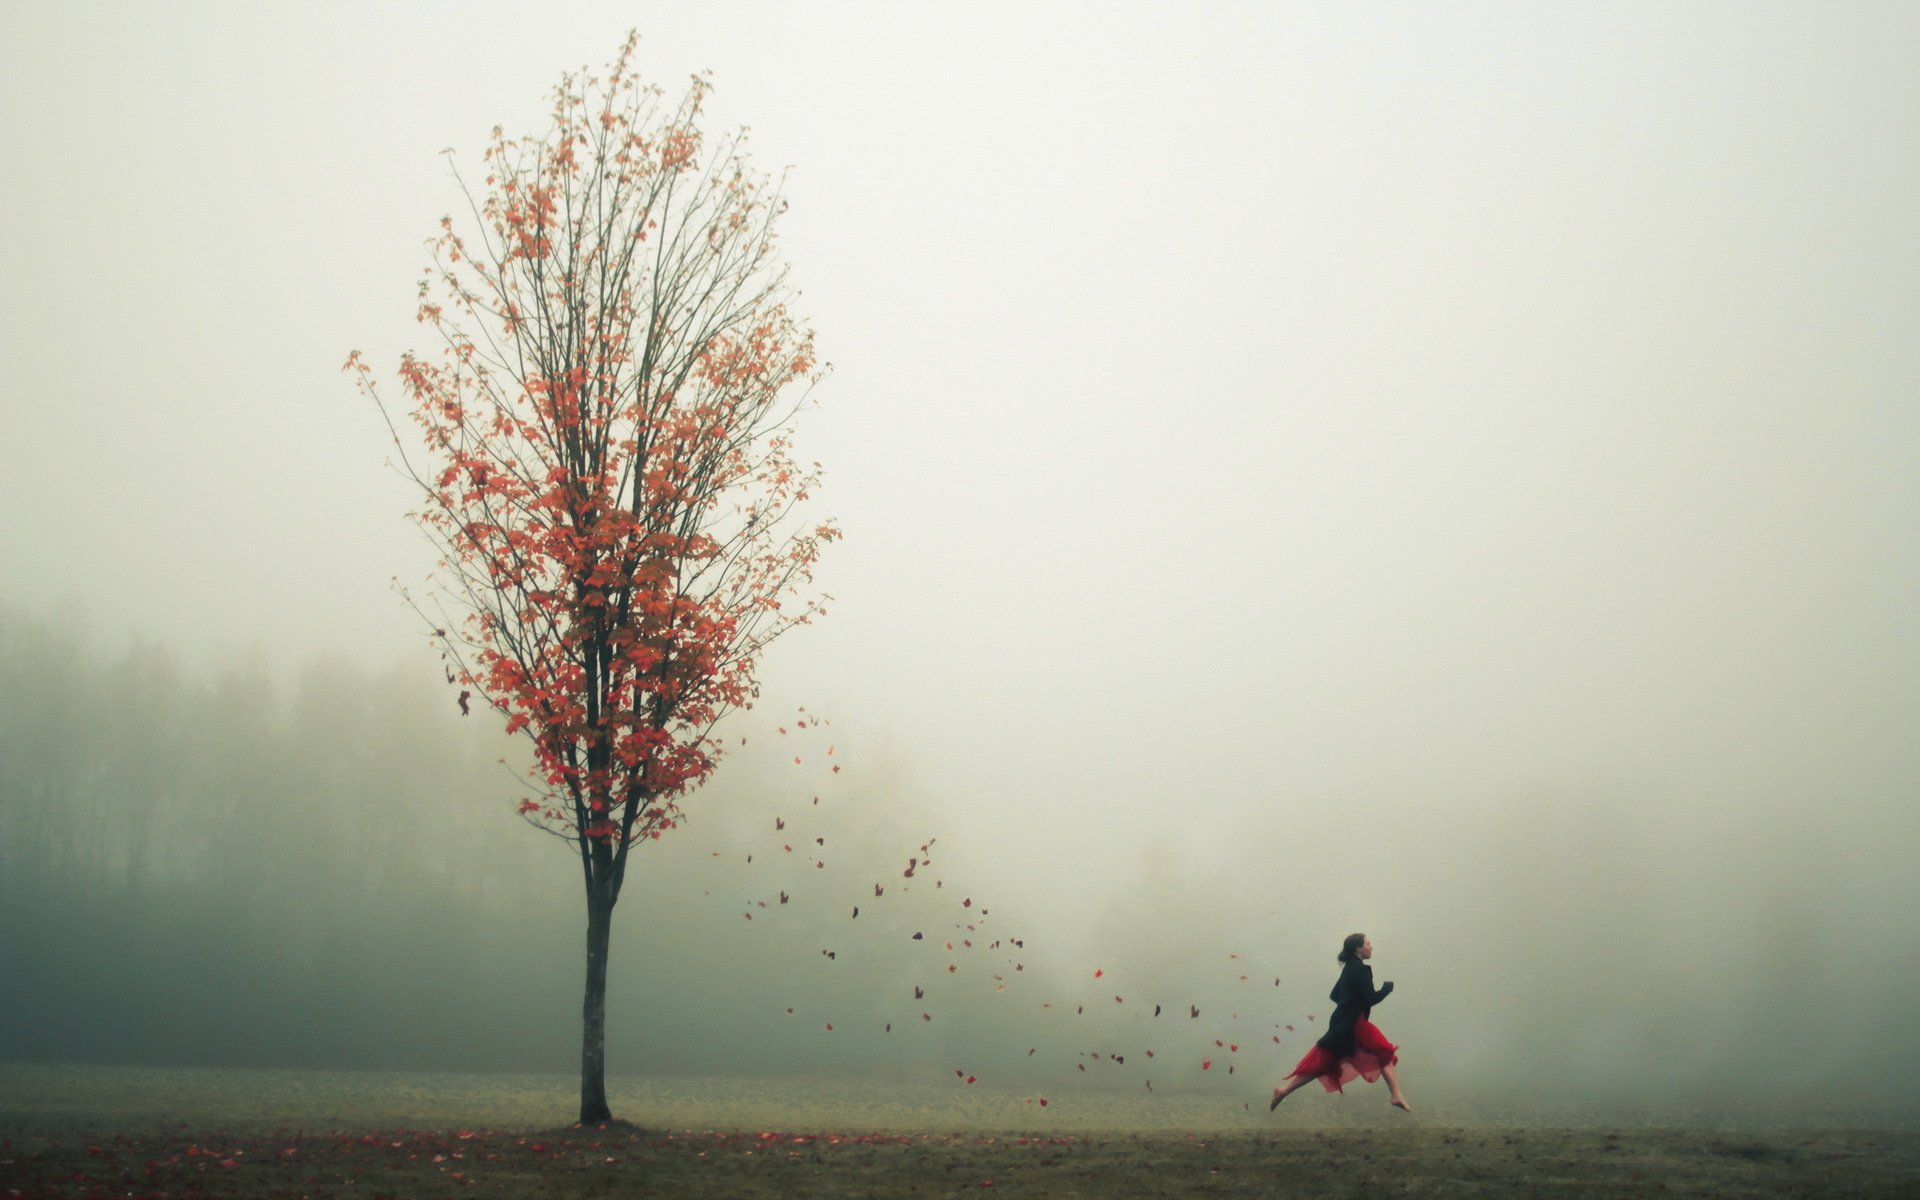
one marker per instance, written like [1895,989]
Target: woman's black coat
[1353,997]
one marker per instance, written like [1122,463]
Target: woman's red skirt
[1371,1053]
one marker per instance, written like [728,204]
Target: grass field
[80,1132]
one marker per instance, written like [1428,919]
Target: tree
[605,465]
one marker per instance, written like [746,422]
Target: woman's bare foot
[1274,1103]
[1400,1102]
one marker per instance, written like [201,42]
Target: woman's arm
[1375,997]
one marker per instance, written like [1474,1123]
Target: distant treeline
[213,865]
[219,868]
[233,865]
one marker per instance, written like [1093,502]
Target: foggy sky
[1449,472]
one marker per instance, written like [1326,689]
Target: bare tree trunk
[593,1012]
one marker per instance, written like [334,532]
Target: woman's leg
[1393,1088]
[1292,1084]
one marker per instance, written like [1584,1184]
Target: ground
[99,1132]
[573,1162]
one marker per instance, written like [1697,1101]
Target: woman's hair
[1350,949]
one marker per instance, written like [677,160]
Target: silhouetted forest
[217,865]
[224,868]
